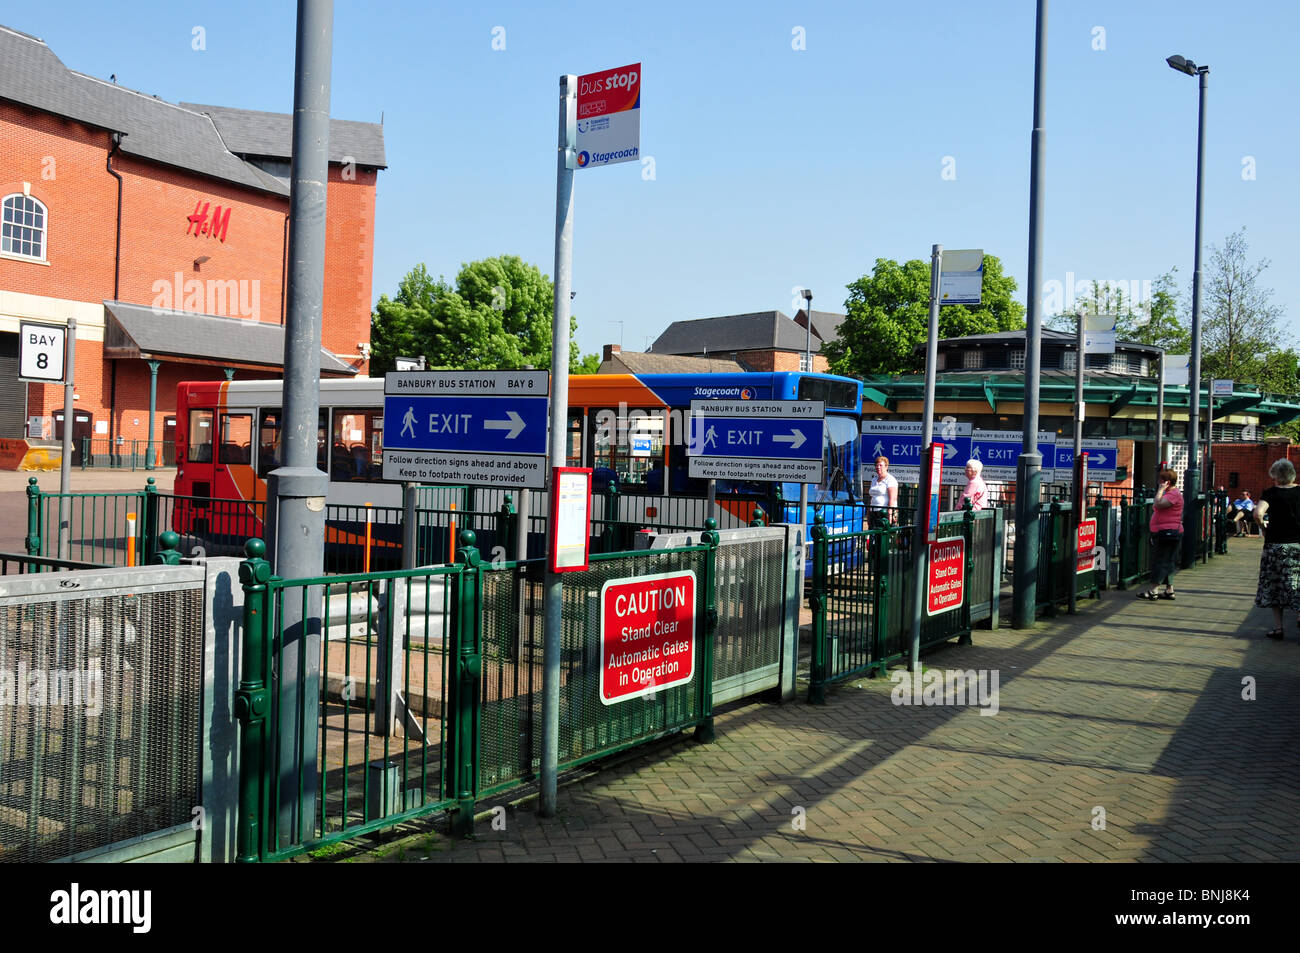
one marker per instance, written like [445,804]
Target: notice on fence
[1087,543]
[647,635]
[946,576]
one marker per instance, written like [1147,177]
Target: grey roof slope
[251,133]
[154,129]
[31,75]
[639,362]
[759,330]
[186,334]
[825,324]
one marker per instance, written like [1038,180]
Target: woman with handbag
[1278,513]
[1166,537]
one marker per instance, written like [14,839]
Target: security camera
[364,348]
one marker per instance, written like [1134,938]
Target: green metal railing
[451,655]
[1134,546]
[96,452]
[862,598]
[1059,556]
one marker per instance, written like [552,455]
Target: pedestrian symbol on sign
[408,421]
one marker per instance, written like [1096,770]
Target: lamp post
[808,366]
[807,337]
[1192,477]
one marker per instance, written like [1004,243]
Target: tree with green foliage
[498,316]
[888,314]
[1155,322]
[1242,336]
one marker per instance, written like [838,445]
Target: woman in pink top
[977,490]
[1166,537]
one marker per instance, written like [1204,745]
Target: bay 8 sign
[609,117]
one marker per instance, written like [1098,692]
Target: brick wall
[785,361]
[63,163]
[64,166]
[1250,461]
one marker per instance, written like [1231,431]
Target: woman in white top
[883,494]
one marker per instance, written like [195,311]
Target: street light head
[807,294]
[1182,64]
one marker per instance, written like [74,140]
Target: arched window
[22,227]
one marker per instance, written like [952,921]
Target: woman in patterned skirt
[1278,513]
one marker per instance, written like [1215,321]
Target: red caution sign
[1087,543]
[647,635]
[946,578]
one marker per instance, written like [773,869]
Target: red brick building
[162,230]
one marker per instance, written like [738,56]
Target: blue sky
[773,167]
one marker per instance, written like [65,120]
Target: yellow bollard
[365,566]
[453,534]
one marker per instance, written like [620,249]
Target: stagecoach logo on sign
[609,117]
[647,635]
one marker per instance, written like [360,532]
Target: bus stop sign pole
[554,593]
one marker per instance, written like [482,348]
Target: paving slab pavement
[1132,731]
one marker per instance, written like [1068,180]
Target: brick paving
[1130,708]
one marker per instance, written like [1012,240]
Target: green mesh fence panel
[510,735]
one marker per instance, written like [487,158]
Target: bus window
[236,438]
[200,450]
[268,442]
[323,441]
[628,445]
[357,446]
[574,450]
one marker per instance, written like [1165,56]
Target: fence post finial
[33,517]
[168,554]
[253,705]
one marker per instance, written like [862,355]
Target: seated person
[1243,507]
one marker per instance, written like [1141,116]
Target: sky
[793,144]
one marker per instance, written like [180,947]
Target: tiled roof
[162,333]
[31,75]
[636,362]
[759,330]
[250,133]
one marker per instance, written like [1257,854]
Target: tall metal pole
[803,487]
[69,420]
[1029,468]
[1160,418]
[153,410]
[1209,437]
[927,428]
[1192,479]
[296,491]
[559,436]
[1080,490]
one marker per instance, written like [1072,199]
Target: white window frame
[43,229]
